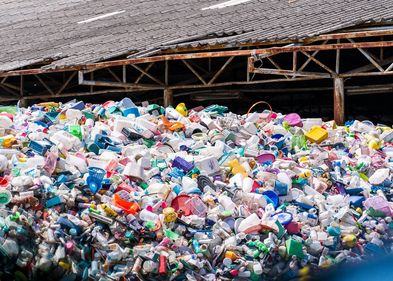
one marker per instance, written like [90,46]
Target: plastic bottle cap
[284,217]
[5,197]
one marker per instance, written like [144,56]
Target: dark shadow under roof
[73,32]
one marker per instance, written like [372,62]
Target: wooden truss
[291,61]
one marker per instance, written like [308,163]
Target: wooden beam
[220,70]
[143,74]
[8,90]
[338,59]
[21,86]
[216,54]
[91,79]
[168,97]
[368,56]
[81,94]
[319,63]
[308,61]
[124,74]
[365,74]
[82,81]
[339,112]
[390,67]
[166,73]
[22,99]
[66,83]
[197,66]
[294,61]
[290,72]
[235,83]
[276,65]
[370,66]
[44,84]
[16,88]
[195,72]
[114,75]
[250,67]
[148,75]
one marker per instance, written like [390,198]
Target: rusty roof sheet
[73,32]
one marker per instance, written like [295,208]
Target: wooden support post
[166,73]
[168,97]
[22,100]
[339,116]
[91,78]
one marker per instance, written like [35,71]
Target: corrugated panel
[32,30]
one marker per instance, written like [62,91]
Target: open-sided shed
[52,49]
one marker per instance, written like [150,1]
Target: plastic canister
[78,162]
[131,110]
[66,139]
[141,121]
[159,190]
[73,114]
[120,123]
[134,170]
[208,164]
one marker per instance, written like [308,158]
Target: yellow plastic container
[374,144]
[49,104]
[169,214]
[317,134]
[349,240]
[182,109]
[236,167]
[7,141]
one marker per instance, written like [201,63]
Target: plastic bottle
[227,203]
[146,215]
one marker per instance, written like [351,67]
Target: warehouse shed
[165,48]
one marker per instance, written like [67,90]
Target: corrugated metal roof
[72,32]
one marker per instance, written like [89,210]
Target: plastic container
[122,199]
[94,180]
[317,135]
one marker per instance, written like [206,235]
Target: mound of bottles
[117,191]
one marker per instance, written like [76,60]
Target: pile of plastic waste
[121,192]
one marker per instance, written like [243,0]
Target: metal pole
[339,114]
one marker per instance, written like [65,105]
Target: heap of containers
[120,192]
